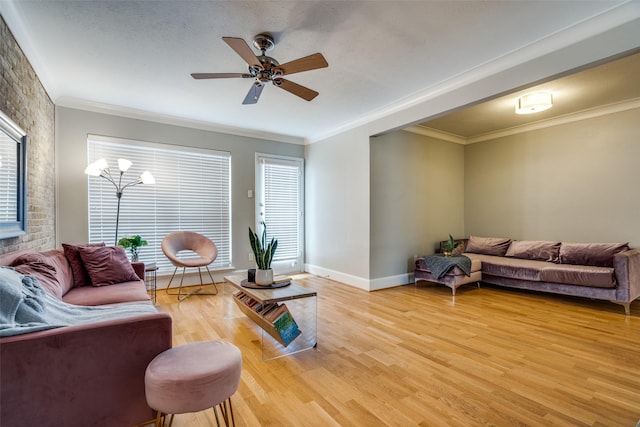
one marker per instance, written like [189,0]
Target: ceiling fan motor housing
[264,42]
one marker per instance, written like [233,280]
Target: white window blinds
[279,204]
[8,179]
[192,192]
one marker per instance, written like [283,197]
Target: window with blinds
[279,202]
[13,179]
[8,179]
[192,192]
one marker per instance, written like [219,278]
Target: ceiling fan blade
[254,93]
[219,75]
[307,63]
[296,89]
[242,48]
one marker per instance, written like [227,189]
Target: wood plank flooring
[415,356]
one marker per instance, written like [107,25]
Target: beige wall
[574,182]
[417,199]
[24,100]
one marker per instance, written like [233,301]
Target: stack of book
[275,314]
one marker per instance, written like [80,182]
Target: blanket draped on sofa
[26,307]
[440,265]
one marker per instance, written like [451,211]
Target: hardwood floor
[414,356]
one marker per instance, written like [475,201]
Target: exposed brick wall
[24,100]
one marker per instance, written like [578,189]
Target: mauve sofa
[87,375]
[603,271]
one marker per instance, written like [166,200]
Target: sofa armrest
[81,375]
[138,267]
[627,269]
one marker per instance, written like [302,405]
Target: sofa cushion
[107,265]
[51,268]
[72,252]
[600,277]
[114,294]
[513,268]
[487,245]
[540,250]
[595,254]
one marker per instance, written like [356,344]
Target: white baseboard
[347,279]
[390,281]
[359,282]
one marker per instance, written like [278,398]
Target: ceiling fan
[265,69]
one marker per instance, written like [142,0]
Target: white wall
[337,208]
[72,128]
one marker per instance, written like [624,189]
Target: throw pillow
[107,265]
[594,254]
[72,252]
[52,269]
[488,245]
[46,275]
[535,249]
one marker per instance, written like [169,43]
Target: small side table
[150,276]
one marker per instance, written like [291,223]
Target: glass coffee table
[286,315]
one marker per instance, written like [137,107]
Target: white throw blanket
[26,307]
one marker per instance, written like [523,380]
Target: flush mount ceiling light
[534,102]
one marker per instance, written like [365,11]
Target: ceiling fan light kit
[534,102]
[265,69]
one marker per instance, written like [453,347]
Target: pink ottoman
[192,378]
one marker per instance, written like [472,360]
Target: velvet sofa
[81,375]
[603,271]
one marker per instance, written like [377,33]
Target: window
[279,202]
[192,192]
[13,141]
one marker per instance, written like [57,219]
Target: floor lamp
[101,168]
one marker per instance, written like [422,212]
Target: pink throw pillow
[595,254]
[72,252]
[107,265]
[541,250]
[488,245]
[46,275]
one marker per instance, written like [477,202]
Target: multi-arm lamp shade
[101,168]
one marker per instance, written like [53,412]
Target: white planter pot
[264,277]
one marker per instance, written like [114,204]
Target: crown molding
[437,134]
[542,124]
[132,113]
[560,120]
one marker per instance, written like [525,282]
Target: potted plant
[133,243]
[263,254]
[449,246]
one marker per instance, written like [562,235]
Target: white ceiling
[133,56]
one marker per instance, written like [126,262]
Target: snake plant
[262,251]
